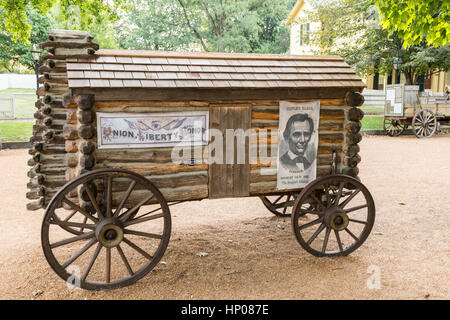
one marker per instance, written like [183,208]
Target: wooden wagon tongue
[78,80]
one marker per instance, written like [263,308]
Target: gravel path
[252,254]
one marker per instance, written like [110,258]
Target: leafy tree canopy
[208,25]
[352,29]
[416,21]
[13,13]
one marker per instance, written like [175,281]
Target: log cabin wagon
[105,169]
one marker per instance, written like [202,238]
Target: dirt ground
[253,255]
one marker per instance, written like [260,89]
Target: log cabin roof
[155,69]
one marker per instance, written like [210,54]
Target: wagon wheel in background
[122,241]
[424,123]
[394,127]
[333,216]
[280,205]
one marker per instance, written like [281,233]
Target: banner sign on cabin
[125,130]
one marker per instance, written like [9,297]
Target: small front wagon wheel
[123,237]
[280,205]
[333,216]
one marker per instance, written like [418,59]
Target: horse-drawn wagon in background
[424,114]
[121,135]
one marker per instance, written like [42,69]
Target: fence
[374,102]
[17,106]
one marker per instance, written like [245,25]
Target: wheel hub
[336,218]
[109,232]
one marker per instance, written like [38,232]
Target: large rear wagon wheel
[424,123]
[124,237]
[280,205]
[333,216]
[394,127]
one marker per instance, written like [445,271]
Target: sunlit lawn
[372,123]
[16,131]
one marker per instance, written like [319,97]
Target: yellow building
[300,29]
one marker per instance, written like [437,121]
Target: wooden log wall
[354,116]
[189,182]
[185,181]
[49,145]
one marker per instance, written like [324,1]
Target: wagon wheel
[280,205]
[337,204]
[424,123]
[393,127]
[122,241]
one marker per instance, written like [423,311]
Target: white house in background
[300,28]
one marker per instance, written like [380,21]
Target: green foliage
[417,21]
[352,29]
[84,13]
[13,54]
[214,25]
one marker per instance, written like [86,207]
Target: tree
[352,29]
[16,53]
[13,13]
[416,21]
[213,25]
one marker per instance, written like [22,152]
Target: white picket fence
[374,102]
[17,106]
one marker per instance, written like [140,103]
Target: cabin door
[230,178]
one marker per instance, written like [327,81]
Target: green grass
[16,131]
[15,91]
[372,123]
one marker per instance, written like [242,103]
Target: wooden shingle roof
[153,69]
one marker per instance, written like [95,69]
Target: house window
[304,33]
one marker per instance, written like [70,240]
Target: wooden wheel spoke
[141,219]
[314,236]
[349,198]
[79,253]
[91,262]
[143,234]
[317,201]
[309,224]
[108,266]
[93,200]
[327,192]
[109,196]
[128,213]
[83,236]
[278,199]
[125,198]
[356,208]
[125,261]
[351,234]
[286,204]
[135,247]
[70,215]
[80,210]
[146,214]
[325,241]
[338,239]
[73,224]
[84,224]
[357,221]
[339,194]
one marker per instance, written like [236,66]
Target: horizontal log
[85,101]
[353,138]
[354,99]
[71,116]
[152,169]
[355,114]
[353,127]
[70,132]
[87,147]
[351,149]
[38,115]
[71,160]
[353,172]
[85,116]
[352,162]
[87,161]
[90,54]
[86,131]
[36,205]
[70,174]
[149,155]
[71,146]
[47,69]
[69,45]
